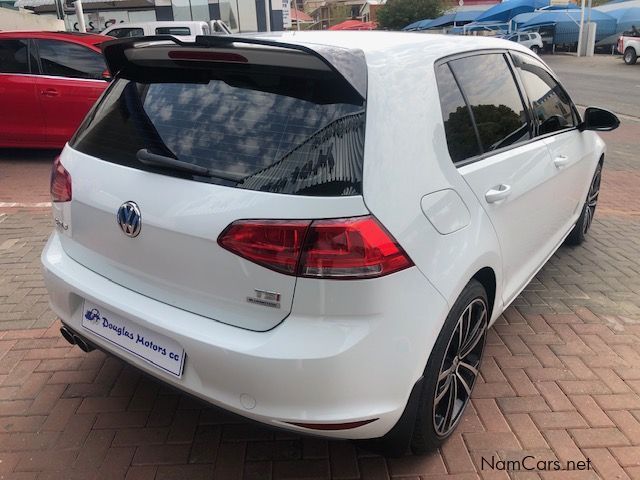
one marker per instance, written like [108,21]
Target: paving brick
[558,420]
[490,415]
[456,456]
[523,404]
[299,469]
[605,464]
[554,397]
[161,455]
[417,465]
[598,437]
[618,402]
[343,461]
[526,431]
[627,424]
[563,445]
[590,411]
[627,456]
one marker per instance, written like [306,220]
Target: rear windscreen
[270,129]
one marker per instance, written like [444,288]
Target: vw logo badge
[129,219]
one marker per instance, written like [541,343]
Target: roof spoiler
[348,64]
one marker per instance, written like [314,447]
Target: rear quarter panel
[406,158]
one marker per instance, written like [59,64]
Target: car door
[21,119]
[71,82]
[512,176]
[555,122]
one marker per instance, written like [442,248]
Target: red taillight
[274,244]
[350,248]
[345,248]
[60,183]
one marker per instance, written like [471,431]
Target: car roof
[75,37]
[430,46]
[164,23]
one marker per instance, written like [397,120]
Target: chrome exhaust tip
[67,335]
[83,344]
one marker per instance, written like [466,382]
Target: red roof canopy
[300,16]
[354,25]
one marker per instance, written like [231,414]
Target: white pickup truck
[629,46]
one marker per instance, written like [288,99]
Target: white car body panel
[337,351]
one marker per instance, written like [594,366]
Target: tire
[535,49]
[630,56]
[448,375]
[581,228]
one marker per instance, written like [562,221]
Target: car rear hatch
[191,137]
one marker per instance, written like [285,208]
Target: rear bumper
[349,351]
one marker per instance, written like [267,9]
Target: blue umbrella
[419,25]
[566,24]
[447,19]
[505,11]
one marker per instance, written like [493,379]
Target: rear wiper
[155,160]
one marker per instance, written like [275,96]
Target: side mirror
[599,119]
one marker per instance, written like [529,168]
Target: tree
[396,14]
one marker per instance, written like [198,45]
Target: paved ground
[602,80]
[561,380]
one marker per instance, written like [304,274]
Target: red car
[48,83]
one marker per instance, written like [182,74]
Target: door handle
[497,193]
[561,161]
[50,92]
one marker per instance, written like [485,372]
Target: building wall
[25,20]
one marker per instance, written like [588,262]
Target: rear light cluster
[60,183]
[344,248]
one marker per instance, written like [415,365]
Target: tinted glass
[461,136]
[126,32]
[14,56]
[66,59]
[551,105]
[271,129]
[490,89]
[173,31]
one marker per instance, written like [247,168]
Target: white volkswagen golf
[316,230]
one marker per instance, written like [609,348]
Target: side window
[126,32]
[551,105]
[64,59]
[458,126]
[499,113]
[173,31]
[14,56]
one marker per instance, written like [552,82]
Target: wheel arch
[487,278]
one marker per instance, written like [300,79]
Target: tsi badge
[267,299]
[129,219]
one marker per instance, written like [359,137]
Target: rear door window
[262,128]
[15,56]
[458,124]
[65,59]
[490,89]
[126,32]
[551,105]
[173,31]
